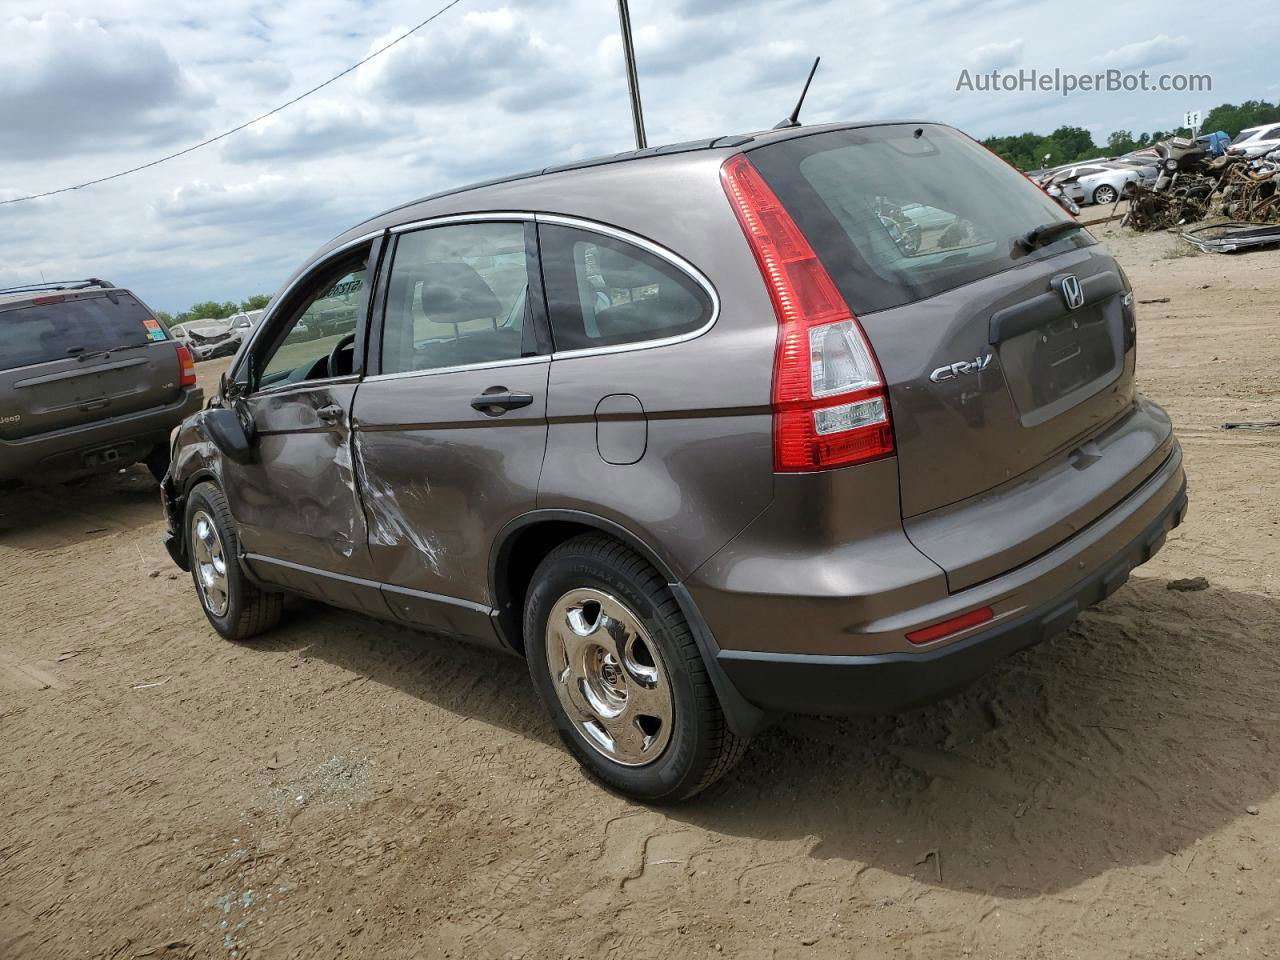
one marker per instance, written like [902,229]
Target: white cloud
[997,56]
[491,53]
[1146,53]
[68,84]
[314,128]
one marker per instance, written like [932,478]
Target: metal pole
[633,84]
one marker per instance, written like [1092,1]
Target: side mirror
[228,433]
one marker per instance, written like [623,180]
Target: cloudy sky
[88,88]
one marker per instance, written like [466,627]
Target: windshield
[857,195]
[39,333]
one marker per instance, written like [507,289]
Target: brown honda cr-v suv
[823,419]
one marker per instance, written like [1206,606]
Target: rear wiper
[1047,233]
[79,354]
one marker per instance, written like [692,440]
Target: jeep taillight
[830,407]
[188,367]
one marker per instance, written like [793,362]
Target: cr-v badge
[953,370]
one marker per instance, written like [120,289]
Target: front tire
[617,667]
[234,607]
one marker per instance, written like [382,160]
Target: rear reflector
[955,625]
[830,408]
[188,366]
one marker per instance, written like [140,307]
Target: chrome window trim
[450,218]
[519,216]
[283,295]
[282,389]
[662,253]
[459,368]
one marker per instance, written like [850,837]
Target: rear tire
[234,606]
[617,667]
[1105,194]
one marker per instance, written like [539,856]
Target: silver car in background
[1256,141]
[1101,183]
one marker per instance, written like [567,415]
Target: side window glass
[328,318]
[602,291]
[457,295]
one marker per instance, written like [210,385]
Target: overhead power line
[248,123]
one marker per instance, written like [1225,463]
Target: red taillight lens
[188,365]
[56,298]
[829,402]
[955,625]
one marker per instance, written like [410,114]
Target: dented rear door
[451,430]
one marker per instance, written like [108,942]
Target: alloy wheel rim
[209,564]
[609,677]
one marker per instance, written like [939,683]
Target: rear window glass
[902,212]
[55,331]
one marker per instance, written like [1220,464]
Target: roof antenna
[794,119]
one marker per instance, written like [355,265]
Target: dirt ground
[346,788]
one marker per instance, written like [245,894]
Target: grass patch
[1180,249]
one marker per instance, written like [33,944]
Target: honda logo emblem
[1072,292]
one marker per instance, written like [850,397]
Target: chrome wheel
[609,677]
[1104,195]
[209,564]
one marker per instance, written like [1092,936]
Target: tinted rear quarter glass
[602,291]
[847,190]
[43,332]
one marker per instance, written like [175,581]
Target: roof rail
[59,285]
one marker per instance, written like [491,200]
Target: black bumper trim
[887,683]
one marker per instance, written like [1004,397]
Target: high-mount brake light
[188,365]
[830,407]
[55,298]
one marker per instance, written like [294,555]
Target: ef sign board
[1191,119]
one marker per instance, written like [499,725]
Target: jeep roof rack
[59,285]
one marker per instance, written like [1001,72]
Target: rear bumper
[1032,605]
[65,450]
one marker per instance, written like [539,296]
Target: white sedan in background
[1256,141]
[1099,183]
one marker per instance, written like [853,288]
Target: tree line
[213,310]
[1067,144]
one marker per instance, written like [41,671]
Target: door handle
[498,400]
[330,413]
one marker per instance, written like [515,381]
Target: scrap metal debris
[1231,236]
[1192,185]
[1251,425]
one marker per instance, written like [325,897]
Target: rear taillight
[56,298]
[830,408]
[188,365]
